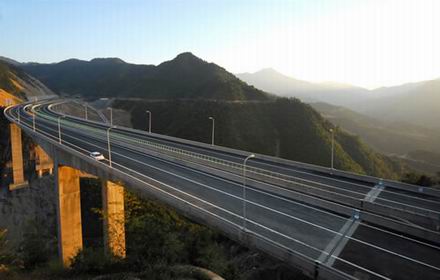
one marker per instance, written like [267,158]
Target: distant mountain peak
[270,73]
[185,62]
[187,57]
[268,70]
[108,60]
[67,61]
[270,80]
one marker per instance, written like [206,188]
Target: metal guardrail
[356,201]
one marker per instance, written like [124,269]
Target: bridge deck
[340,240]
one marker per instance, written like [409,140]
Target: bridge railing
[348,197]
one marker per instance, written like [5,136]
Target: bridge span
[328,223]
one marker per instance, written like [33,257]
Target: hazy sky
[369,43]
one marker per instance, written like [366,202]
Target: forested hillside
[286,128]
[184,77]
[16,83]
[416,145]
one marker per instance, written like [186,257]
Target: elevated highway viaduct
[328,223]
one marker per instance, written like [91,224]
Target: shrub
[94,261]
[6,256]
[35,249]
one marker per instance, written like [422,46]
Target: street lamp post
[85,106]
[108,146]
[111,116]
[149,121]
[59,128]
[244,189]
[213,130]
[33,120]
[333,147]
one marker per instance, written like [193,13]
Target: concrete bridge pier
[114,218]
[17,158]
[70,239]
[43,162]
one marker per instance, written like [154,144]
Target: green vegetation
[422,179]
[186,76]
[37,246]
[285,127]
[417,146]
[156,235]
[6,256]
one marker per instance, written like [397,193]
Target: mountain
[15,86]
[283,127]
[182,93]
[404,140]
[414,103]
[274,82]
[184,77]
[417,103]
[15,83]
[9,61]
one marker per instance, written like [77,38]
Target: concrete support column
[17,157]
[69,213]
[114,218]
[43,161]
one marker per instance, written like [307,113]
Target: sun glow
[372,43]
